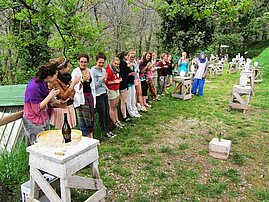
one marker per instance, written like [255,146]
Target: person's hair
[163,54]
[115,59]
[60,62]
[100,55]
[144,58]
[122,54]
[83,56]
[45,70]
[131,52]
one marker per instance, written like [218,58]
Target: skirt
[85,114]
[57,116]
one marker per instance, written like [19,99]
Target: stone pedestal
[220,150]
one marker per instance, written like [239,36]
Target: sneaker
[136,113]
[132,115]
[107,135]
[147,106]
[112,134]
[121,124]
[162,94]
[118,125]
[138,106]
[143,109]
[126,119]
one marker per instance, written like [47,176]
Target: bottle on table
[66,130]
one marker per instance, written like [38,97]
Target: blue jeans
[200,84]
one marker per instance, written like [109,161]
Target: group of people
[55,91]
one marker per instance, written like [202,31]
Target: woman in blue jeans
[199,78]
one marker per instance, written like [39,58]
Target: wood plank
[84,183]
[97,196]
[239,98]
[44,185]
[65,191]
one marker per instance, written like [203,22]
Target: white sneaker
[138,106]
[143,109]
[138,115]
[132,115]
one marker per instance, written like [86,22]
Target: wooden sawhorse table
[233,67]
[76,157]
[237,101]
[212,70]
[258,74]
[219,69]
[182,89]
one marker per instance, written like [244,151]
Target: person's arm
[160,65]
[51,95]
[143,68]
[70,89]
[205,72]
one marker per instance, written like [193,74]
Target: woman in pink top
[37,97]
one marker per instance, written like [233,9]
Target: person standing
[170,71]
[183,64]
[37,96]
[99,76]
[162,73]
[144,65]
[199,78]
[113,81]
[84,96]
[66,95]
[123,56]
[131,95]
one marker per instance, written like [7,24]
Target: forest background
[33,31]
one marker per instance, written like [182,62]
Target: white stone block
[220,150]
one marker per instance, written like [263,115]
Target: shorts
[123,90]
[113,94]
[170,76]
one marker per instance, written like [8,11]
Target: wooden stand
[258,74]
[212,70]
[233,67]
[191,75]
[219,69]
[64,166]
[250,75]
[182,88]
[237,101]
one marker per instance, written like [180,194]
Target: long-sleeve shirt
[100,86]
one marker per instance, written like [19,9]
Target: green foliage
[38,30]
[238,159]
[192,25]
[14,168]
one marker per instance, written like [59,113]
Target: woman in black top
[170,70]
[123,84]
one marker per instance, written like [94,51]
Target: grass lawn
[163,156]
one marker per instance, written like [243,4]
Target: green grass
[163,156]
